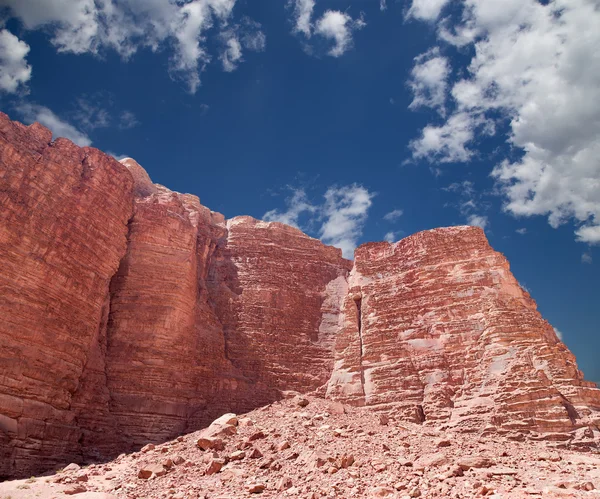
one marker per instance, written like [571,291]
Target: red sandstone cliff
[132,313]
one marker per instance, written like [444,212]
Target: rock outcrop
[437,328]
[132,314]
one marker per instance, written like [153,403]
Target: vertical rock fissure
[358,303]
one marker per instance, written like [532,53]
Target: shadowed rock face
[132,314]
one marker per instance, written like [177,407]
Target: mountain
[134,314]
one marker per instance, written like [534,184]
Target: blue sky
[356,120]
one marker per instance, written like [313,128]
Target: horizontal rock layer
[133,314]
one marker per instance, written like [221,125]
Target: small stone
[443,443]
[466,463]
[589,486]
[256,487]
[346,461]
[148,448]
[226,419]
[81,478]
[74,489]
[384,419]
[301,401]
[247,422]
[167,463]
[256,436]
[383,492]
[284,483]
[283,446]
[215,466]
[238,455]
[210,443]
[415,492]
[255,454]
[178,460]
[72,467]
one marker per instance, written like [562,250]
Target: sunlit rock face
[132,314]
[436,327]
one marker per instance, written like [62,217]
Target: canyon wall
[133,314]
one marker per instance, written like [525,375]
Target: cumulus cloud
[558,333]
[341,215]
[449,142]
[338,26]
[59,128]
[429,81]
[127,120]
[427,10]
[521,231]
[90,116]
[478,221]
[345,212]
[89,26]
[297,205]
[241,36]
[333,25]
[303,10]
[533,66]
[118,157]
[393,215]
[382,5]
[390,237]
[14,70]
[587,258]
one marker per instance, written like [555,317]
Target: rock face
[64,216]
[437,328]
[132,314]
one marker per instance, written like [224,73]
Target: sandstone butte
[133,314]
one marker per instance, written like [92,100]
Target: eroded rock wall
[437,328]
[132,314]
[63,231]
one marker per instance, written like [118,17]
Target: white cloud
[427,10]
[59,128]
[534,67]
[382,5]
[447,143]
[297,205]
[558,333]
[127,120]
[14,70]
[338,26]
[345,214]
[586,258]
[90,26]
[303,10]
[341,215]
[521,231]
[118,157]
[390,237]
[90,116]
[429,81]
[478,221]
[393,215]
[232,54]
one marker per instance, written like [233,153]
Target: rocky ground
[308,447]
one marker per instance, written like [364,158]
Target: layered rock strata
[132,314]
[436,327]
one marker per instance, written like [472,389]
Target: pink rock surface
[63,232]
[133,314]
[437,328]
